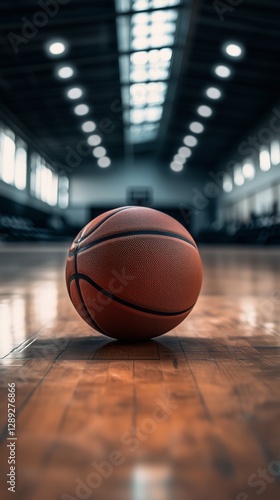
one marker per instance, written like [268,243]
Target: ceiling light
[99,152]
[89,126]
[159,87]
[166,28]
[227,183]
[158,74]
[204,111]
[139,58]
[94,140]
[155,98]
[65,72]
[74,93]
[81,109]
[275,152]
[162,16]
[176,167]
[165,54]
[248,170]
[104,162]
[160,40]
[142,18]
[190,141]
[153,113]
[139,31]
[233,49]
[222,71]
[264,160]
[140,43]
[185,152]
[196,127]
[180,159]
[213,93]
[141,5]
[157,4]
[238,176]
[139,75]
[137,115]
[154,56]
[56,48]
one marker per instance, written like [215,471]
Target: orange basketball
[133,273]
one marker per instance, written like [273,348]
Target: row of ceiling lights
[232,50]
[56,48]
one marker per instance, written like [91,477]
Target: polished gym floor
[191,415]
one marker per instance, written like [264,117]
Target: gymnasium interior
[171,105]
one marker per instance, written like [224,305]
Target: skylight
[148,38]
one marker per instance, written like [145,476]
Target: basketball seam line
[79,276]
[81,296]
[132,233]
[100,224]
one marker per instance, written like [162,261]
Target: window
[20,167]
[145,73]
[13,159]
[8,157]
[54,191]
[275,152]
[63,192]
[45,184]
[43,181]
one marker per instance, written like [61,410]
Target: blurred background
[163,103]
[167,104]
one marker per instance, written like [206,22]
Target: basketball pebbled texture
[133,273]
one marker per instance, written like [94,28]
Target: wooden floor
[193,415]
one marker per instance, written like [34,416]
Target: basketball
[139,245]
[133,273]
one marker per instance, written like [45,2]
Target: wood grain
[192,415]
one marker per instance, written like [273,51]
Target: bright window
[43,181]
[13,159]
[63,192]
[54,195]
[8,157]
[264,159]
[20,167]
[150,38]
